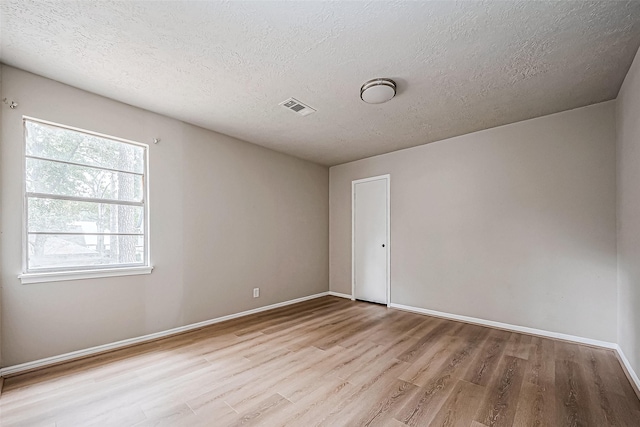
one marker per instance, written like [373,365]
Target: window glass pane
[65,251]
[65,234]
[52,142]
[81,181]
[67,216]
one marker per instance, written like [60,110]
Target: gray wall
[226,216]
[2,107]
[628,150]
[515,224]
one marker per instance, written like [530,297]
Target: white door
[370,245]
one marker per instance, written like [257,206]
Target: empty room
[319,213]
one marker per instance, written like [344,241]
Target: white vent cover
[297,107]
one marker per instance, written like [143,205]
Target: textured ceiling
[225,66]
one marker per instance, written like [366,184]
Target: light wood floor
[332,362]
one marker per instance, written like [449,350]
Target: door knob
[383,245]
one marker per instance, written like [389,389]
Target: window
[85,201]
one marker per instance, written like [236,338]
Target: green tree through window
[85,200]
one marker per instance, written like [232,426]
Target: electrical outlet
[256,292]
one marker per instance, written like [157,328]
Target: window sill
[59,276]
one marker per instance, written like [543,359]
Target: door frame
[387,178]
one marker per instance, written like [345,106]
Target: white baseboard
[338,294]
[631,373]
[507,326]
[54,360]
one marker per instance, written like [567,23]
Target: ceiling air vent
[297,107]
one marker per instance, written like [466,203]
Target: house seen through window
[85,200]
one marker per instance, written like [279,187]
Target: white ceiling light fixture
[377,91]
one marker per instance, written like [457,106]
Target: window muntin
[85,200]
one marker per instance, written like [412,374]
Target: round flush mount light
[377,91]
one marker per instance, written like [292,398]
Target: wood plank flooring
[331,362]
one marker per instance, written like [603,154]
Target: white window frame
[84,272]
